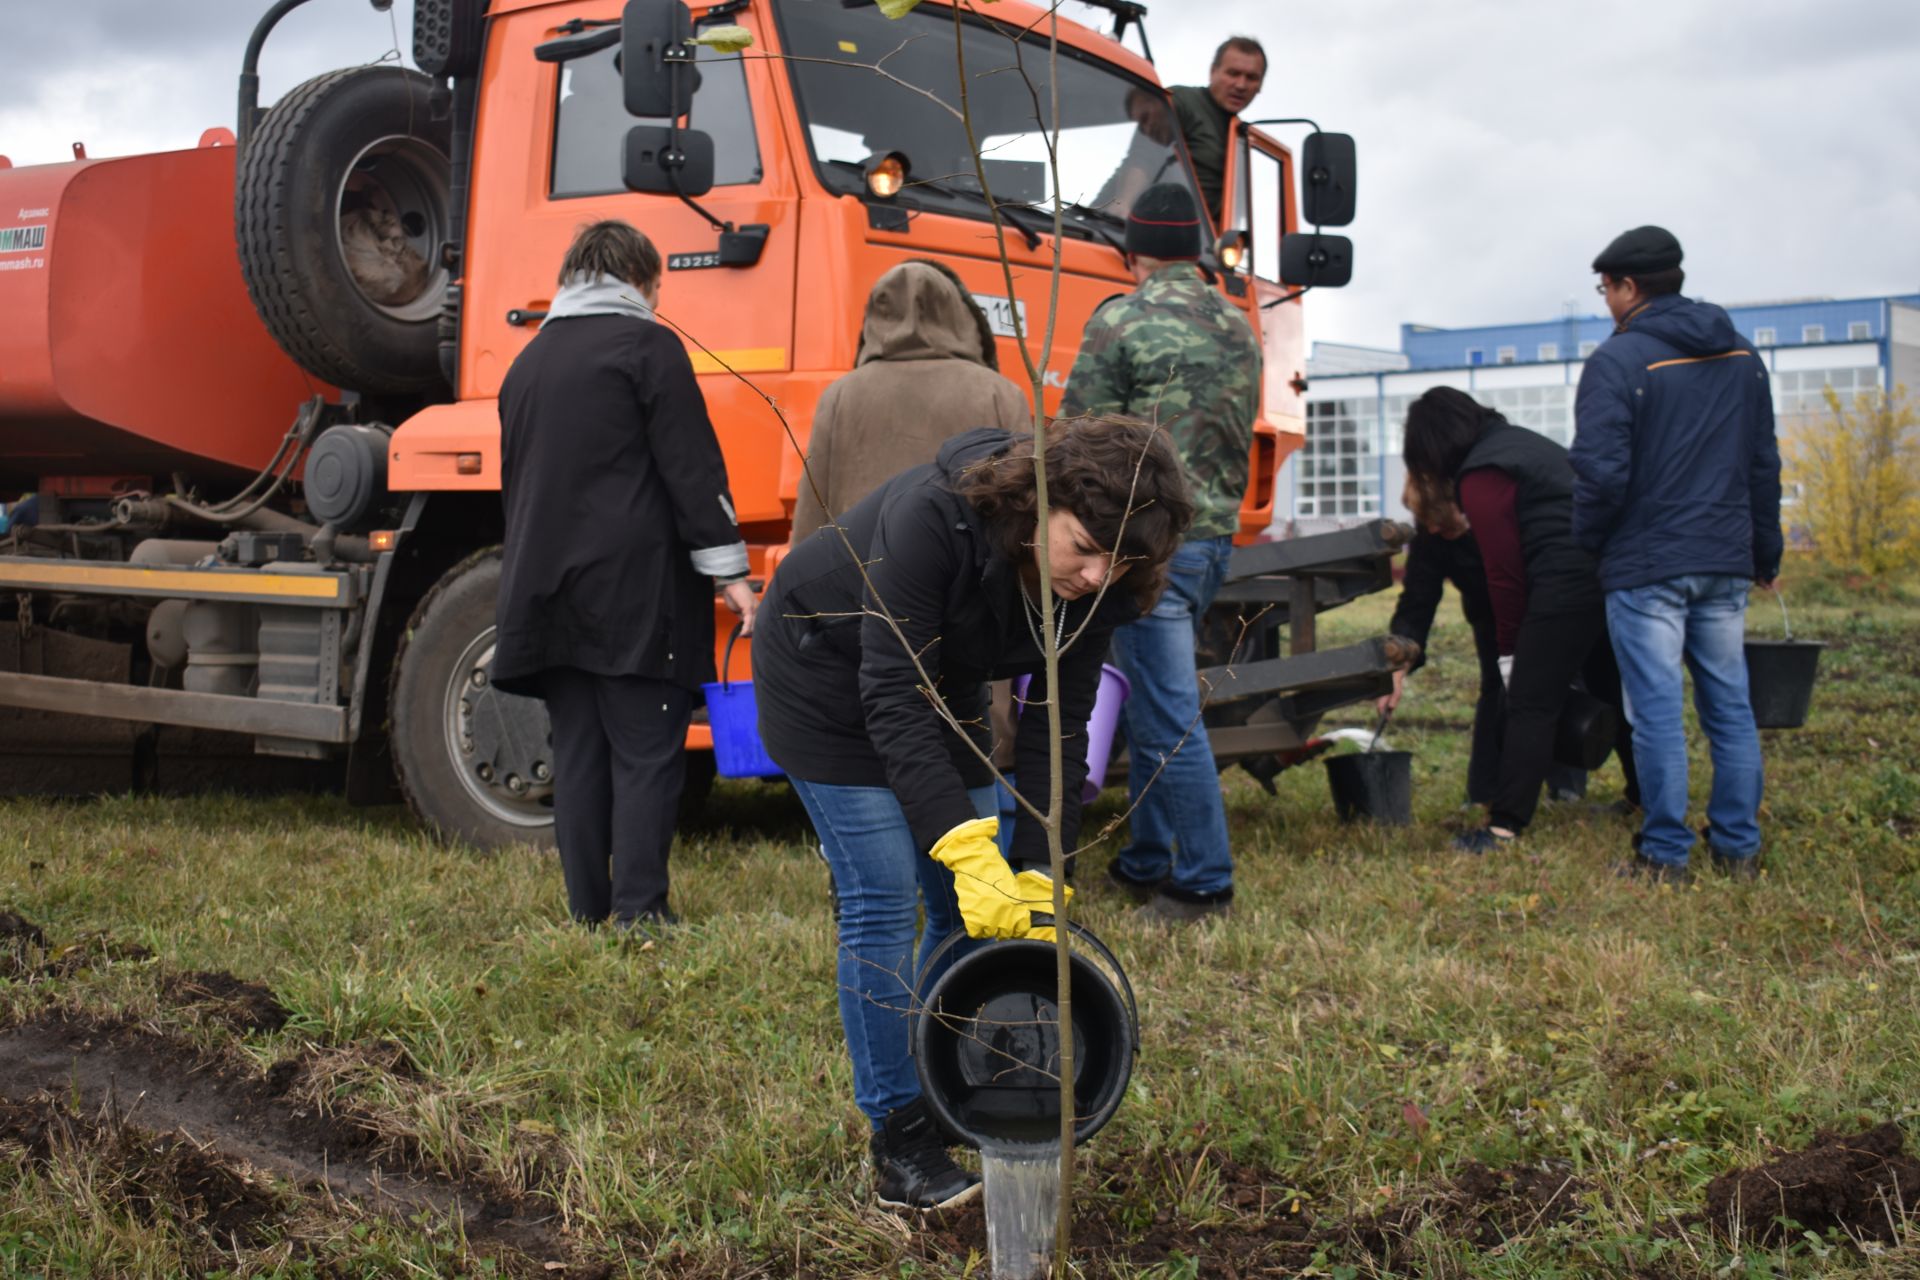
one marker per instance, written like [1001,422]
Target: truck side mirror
[657,74]
[1327,174]
[669,162]
[1313,261]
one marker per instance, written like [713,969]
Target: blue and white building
[1349,468]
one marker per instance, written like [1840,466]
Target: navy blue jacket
[1676,470]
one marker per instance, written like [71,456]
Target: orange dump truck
[248,427]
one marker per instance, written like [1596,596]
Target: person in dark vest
[1442,553]
[619,525]
[1549,621]
[878,636]
[1677,492]
[1206,112]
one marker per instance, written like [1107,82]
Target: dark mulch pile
[220,997]
[1863,1184]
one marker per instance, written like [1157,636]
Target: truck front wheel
[473,762]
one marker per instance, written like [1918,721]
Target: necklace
[1036,621]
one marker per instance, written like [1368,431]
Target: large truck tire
[341,215]
[474,763]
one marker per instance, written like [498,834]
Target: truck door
[1262,191]
[548,160]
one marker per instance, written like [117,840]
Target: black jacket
[1561,577]
[1433,562]
[1678,468]
[612,479]
[840,701]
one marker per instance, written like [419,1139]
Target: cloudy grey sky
[1502,142]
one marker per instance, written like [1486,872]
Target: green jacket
[1176,354]
[1204,123]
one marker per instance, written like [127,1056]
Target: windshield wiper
[1098,221]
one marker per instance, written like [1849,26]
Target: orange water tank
[131,346]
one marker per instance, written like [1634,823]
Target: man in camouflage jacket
[1176,354]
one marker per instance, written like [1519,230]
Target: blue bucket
[735,722]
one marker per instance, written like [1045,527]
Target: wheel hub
[499,742]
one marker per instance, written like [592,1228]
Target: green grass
[1377,1013]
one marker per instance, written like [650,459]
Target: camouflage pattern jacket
[1176,354]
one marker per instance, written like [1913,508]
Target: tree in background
[1857,468]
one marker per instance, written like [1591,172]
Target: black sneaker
[911,1167]
[1642,868]
[1138,890]
[1480,841]
[1731,865]
[1173,905]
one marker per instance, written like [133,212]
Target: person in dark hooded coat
[1677,492]
[882,733]
[618,528]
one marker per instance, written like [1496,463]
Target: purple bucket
[1102,725]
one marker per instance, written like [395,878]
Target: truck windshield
[869,85]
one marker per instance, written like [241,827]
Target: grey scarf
[597,296]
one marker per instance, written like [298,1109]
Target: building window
[1546,409]
[1859,331]
[1506,355]
[1588,348]
[1339,469]
[1813,333]
[1476,355]
[1549,351]
[1765,337]
[1801,393]
[592,120]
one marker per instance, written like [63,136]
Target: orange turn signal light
[467,464]
[383,540]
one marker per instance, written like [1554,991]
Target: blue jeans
[1701,620]
[882,877]
[1179,819]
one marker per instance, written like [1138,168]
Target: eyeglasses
[1601,288]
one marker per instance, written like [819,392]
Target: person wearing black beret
[1677,493]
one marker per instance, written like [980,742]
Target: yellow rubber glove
[994,902]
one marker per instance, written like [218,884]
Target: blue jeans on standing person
[882,878]
[1699,620]
[1179,819]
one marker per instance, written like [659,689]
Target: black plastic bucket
[1377,785]
[986,1040]
[1780,675]
[1583,737]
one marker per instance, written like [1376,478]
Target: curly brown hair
[1120,477]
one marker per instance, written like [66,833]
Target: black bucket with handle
[1373,785]
[986,1039]
[1583,736]
[1781,674]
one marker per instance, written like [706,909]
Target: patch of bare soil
[1863,1184]
[25,953]
[220,997]
[1260,1228]
[210,1129]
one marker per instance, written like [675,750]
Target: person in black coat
[1442,553]
[618,527]
[1516,488]
[879,634]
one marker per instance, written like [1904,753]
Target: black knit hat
[1639,252]
[1164,223]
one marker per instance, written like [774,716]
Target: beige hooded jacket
[926,372]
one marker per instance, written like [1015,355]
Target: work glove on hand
[994,902]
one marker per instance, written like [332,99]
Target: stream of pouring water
[1022,1189]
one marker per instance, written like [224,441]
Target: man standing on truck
[618,526]
[1206,113]
[1175,354]
[1677,492]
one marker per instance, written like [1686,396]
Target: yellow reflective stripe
[744,360]
[64,573]
[1661,364]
